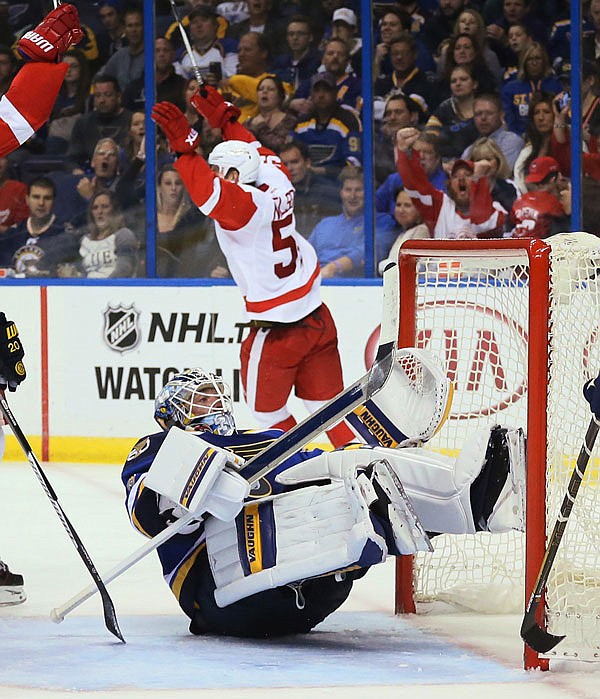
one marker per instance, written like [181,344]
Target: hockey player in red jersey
[245,188]
[28,102]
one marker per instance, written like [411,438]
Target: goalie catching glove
[181,136]
[53,36]
[210,104]
[411,407]
[12,369]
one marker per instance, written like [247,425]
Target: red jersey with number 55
[273,265]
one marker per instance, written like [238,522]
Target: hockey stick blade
[532,633]
[110,616]
[537,638]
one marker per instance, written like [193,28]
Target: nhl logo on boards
[121,328]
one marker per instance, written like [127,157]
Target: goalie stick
[110,616]
[532,633]
[290,442]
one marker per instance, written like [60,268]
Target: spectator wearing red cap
[466,210]
[545,209]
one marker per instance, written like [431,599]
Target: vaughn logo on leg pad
[256,537]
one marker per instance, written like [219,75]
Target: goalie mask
[197,401]
[239,155]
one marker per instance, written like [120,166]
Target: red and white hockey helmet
[239,155]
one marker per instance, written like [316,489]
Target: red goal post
[517,323]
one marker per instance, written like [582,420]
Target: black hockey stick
[532,633]
[290,442]
[110,617]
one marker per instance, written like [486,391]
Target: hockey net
[517,324]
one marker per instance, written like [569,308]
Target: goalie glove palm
[182,138]
[12,369]
[209,102]
[53,36]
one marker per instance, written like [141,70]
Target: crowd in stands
[471,133]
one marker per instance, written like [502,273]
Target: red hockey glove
[182,138]
[12,370]
[209,102]
[53,35]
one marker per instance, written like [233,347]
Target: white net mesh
[473,309]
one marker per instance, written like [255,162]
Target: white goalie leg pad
[437,485]
[305,533]
[395,508]
[411,407]
[197,476]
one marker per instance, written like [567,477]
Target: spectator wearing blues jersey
[332,133]
[534,76]
[216,58]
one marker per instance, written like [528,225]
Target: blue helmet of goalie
[196,401]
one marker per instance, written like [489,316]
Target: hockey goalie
[276,556]
[27,104]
